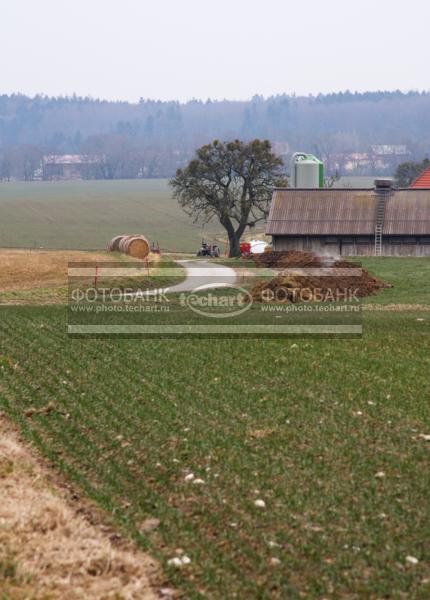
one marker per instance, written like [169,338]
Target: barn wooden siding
[345,247]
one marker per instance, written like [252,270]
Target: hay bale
[121,246]
[136,246]
[113,245]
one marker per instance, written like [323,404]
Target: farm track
[203,273]
[199,274]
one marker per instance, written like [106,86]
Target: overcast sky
[180,49]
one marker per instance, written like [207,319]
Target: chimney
[384,184]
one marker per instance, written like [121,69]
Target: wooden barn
[383,221]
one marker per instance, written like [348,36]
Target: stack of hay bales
[135,245]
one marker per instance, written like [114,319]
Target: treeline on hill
[153,138]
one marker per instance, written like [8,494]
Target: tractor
[209,250]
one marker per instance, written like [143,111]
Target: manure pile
[327,285]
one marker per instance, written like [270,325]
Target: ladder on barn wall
[380,215]
[378,240]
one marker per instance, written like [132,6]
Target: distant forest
[153,138]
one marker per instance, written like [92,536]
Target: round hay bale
[122,246]
[121,243]
[136,246]
[113,245]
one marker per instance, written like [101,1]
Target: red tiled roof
[423,180]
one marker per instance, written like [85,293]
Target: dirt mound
[292,258]
[296,284]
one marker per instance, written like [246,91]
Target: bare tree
[232,181]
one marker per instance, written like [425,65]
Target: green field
[329,433]
[409,278]
[87,214]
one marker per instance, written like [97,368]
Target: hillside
[153,138]
[87,214]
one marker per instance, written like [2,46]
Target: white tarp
[258,246]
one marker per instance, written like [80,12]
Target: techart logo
[209,302]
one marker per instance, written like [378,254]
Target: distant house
[390,150]
[352,222]
[70,166]
[422,181]
[380,157]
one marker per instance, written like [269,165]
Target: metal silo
[307,171]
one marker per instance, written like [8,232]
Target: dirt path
[198,273]
[203,273]
[48,548]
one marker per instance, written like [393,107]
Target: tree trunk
[234,244]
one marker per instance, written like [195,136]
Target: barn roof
[407,212]
[423,180]
[347,212]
